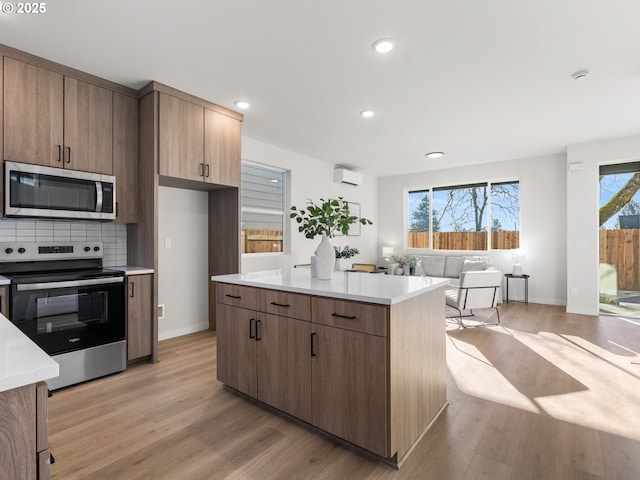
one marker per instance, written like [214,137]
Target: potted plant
[342,254]
[410,261]
[325,218]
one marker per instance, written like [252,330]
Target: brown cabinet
[4,300]
[54,120]
[24,446]
[139,316]
[125,157]
[263,355]
[197,143]
[222,148]
[349,386]
[33,114]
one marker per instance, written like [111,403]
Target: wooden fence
[621,249]
[465,240]
[261,241]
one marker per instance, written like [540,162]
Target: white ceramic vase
[325,259]
[342,264]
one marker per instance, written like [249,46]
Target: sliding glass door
[619,220]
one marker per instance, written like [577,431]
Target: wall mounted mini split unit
[342,175]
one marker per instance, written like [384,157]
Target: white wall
[183,268]
[312,179]
[543,206]
[582,215]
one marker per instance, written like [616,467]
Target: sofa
[446,266]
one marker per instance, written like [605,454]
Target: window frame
[431,188]
[286,206]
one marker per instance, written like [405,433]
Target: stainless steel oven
[69,306]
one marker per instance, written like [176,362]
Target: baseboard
[178,332]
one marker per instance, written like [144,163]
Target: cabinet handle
[202,169]
[286,305]
[131,289]
[207,170]
[68,154]
[257,336]
[313,345]
[251,334]
[60,154]
[233,296]
[348,317]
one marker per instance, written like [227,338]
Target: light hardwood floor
[547,395]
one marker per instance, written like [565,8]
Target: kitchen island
[359,356]
[24,446]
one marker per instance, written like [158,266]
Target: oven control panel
[38,251]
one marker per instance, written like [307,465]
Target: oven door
[65,316]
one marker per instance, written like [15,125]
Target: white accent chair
[477,289]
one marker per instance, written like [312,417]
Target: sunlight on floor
[591,386]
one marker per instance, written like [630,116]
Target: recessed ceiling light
[384,45]
[580,74]
[367,113]
[435,154]
[274,180]
[243,104]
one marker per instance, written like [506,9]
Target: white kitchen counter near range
[22,362]
[363,287]
[134,270]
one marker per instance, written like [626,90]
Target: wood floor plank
[516,395]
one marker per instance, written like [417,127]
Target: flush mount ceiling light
[367,113]
[435,154]
[243,104]
[580,74]
[274,180]
[384,45]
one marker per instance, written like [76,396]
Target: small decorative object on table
[342,255]
[410,261]
[325,219]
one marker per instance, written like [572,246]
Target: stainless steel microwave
[37,191]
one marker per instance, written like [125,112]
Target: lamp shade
[387,251]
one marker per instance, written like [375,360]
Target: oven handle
[73,283]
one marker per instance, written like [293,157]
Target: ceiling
[482,81]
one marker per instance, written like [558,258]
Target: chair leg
[490,324]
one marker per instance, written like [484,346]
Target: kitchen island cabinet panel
[33,114]
[18,433]
[236,331]
[287,304]
[349,386]
[284,364]
[356,316]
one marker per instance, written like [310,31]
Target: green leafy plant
[346,252]
[325,218]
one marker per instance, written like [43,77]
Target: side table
[524,277]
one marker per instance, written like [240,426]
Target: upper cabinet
[181,131]
[198,141]
[55,120]
[33,119]
[222,148]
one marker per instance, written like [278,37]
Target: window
[262,198]
[465,217]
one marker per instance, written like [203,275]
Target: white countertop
[132,270]
[4,280]
[22,362]
[363,287]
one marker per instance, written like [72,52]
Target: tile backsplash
[112,235]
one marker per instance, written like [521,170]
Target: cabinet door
[181,139]
[235,330]
[4,301]
[88,127]
[18,433]
[222,148]
[139,316]
[284,364]
[349,386]
[33,114]
[125,157]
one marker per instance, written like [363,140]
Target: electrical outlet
[574,291]
[160,311]
[167,243]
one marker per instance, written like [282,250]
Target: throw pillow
[474,265]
